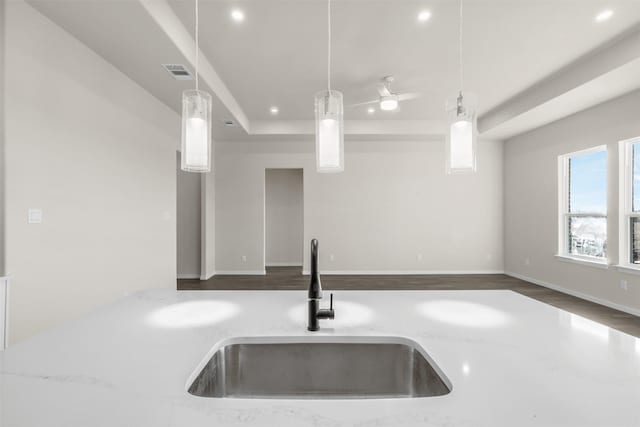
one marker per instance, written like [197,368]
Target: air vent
[229,123]
[178,71]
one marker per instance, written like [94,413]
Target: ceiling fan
[389,100]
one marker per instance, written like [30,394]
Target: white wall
[188,219]
[4,292]
[96,153]
[284,211]
[531,201]
[392,204]
[2,167]
[208,224]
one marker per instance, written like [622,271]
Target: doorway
[188,212]
[284,220]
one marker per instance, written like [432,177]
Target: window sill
[582,261]
[628,269]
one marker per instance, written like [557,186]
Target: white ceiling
[277,56]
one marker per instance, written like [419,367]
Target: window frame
[563,208]
[625,251]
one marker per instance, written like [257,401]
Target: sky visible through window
[588,194]
[588,182]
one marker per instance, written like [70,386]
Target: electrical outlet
[244,258]
[332,257]
[624,285]
[34,216]
[419,257]
[527,261]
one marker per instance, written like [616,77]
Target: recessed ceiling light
[605,15]
[466,368]
[371,110]
[274,110]
[237,15]
[424,16]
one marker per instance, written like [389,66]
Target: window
[583,205]
[630,203]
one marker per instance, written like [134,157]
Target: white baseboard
[207,277]
[284,264]
[189,276]
[404,272]
[576,294]
[224,273]
[241,273]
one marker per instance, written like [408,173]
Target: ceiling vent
[178,71]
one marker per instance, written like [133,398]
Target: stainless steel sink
[324,368]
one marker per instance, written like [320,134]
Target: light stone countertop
[512,362]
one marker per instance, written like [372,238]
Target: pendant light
[462,123]
[329,120]
[196,123]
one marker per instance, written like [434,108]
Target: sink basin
[318,368]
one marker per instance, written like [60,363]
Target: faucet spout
[315,293]
[315,286]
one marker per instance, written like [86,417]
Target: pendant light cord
[329,45]
[197,44]
[459,48]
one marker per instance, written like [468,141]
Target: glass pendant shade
[461,134]
[196,131]
[329,131]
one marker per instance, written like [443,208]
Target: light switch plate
[34,216]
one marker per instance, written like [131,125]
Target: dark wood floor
[291,278]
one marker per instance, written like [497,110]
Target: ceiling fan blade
[408,96]
[375,101]
[382,90]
